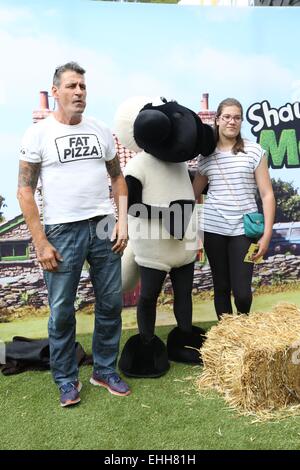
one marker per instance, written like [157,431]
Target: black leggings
[229,271]
[151,285]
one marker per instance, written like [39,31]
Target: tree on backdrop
[2,199]
[287,201]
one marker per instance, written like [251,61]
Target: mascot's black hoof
[140,359]
[178,341]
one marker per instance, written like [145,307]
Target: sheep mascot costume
[162,226]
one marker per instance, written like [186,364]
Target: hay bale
[254,361]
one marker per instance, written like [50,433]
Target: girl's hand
[263,245]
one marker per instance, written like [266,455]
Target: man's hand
[47,255]
[120,237]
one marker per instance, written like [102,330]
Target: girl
[234,171]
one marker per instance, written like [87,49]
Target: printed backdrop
[196,55]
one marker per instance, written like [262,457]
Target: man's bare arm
[118,184]
[113,167]
[120,194]
[29,174]
[28,178]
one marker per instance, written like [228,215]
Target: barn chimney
[204,102]
[44,110]
[44,101]
[206,116]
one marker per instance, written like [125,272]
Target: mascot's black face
[172,133]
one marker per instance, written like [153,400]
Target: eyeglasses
[227,118]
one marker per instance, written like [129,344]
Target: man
[71,153]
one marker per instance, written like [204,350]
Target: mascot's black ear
[151,127]
[206,141]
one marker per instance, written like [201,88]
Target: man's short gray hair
[73,66]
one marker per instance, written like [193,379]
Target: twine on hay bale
[254,360]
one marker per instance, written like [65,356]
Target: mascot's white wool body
[151,242]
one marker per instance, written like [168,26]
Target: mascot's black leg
[145,355]
[151,284]
[182,282]
[185,334]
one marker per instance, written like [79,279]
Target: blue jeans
[77,242]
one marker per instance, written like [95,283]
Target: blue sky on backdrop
[128,48]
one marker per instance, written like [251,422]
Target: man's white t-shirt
[73,171]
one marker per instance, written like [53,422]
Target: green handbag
[254,224]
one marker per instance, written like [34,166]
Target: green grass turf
[160,414]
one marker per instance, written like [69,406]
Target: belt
[97,218]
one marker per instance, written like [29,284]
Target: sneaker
[112,382]
[69,393]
